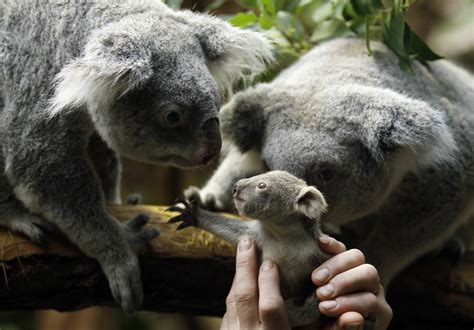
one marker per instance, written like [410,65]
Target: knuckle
[357,256]
[371,272]
[269,307]
[242,263]
[372,305]
[244,296]
[230,299]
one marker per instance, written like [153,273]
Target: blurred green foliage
[297,25]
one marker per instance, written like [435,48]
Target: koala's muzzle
[211,140]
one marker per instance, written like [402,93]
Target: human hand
[254,301]
[349,289]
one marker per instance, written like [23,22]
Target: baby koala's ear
[310,202]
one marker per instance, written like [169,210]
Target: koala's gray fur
[392,152]
[83,81]
[286,232]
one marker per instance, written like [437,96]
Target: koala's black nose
[211,136]
[235,190]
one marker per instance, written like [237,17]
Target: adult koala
[82,81]
[391,151]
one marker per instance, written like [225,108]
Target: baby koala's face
[276,195]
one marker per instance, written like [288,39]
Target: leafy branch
[297,25]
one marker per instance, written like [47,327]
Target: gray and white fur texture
[285,228]
[392,152]
[83,82]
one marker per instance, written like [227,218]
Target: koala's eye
[326,175]
[262,185]
[171,115]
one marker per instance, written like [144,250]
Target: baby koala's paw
[206,200]
[188,214]
[32,226]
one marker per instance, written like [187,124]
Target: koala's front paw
[188,216]
[206,200]
[32,226]
[125,283]
[136,235]
[120,263]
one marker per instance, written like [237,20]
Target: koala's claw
[207,201]
[33,227]
[188,214]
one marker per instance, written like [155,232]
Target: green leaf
[329,29]
[416,46]
[265,22]
[290,26]
[323,12]
[244,19]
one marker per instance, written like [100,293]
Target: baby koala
[286,229]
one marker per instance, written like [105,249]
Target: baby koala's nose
[235,190]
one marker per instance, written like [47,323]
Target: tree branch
[190,271]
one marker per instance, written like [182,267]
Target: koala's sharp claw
[183,225]
[174,209]
[182,200]
[175,219]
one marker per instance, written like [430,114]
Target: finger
[349,321]
[361,278]
[271,307]
[224,325]
[231,311]
[365,303]
[336,265]
[331,245]
[245,291]
[385,313]
[147,235]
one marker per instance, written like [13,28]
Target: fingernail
[322,274]
[244,244]
[267,265]
[324,239]
[354,326]
[327,290]
[328,304]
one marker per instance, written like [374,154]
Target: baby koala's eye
[262,185]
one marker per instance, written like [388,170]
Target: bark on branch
[190,271]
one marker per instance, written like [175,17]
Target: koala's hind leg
[107,166]
[217,193]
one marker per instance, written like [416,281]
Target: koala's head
[153,83]
[354,143]
[275,195]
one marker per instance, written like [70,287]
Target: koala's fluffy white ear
[310,202]
[233,54]
[113,63]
